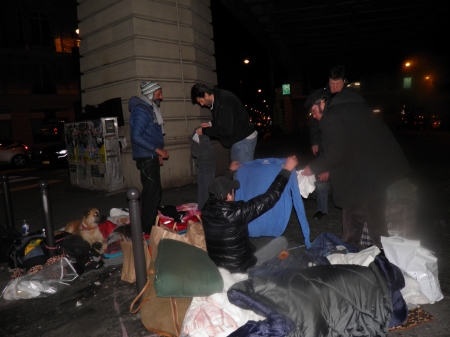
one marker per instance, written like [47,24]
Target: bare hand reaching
[324,176]
[291,163]
[234,165]
[307,171]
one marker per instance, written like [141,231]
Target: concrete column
[124,42]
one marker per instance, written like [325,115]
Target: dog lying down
[88,229]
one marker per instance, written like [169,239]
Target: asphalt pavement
[97,303]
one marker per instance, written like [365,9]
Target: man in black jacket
[230,124]
[362,157]
[225,221]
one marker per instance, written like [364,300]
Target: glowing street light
[407,64]
[259,90]
[246,61]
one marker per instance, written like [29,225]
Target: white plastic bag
[416,261]
[45,282]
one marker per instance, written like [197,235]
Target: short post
[7,202]
[47,213]
[137,238]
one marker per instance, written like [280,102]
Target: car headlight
[61,153]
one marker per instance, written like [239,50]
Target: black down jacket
[226,226]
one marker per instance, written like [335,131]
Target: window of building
[40,30]
[42,80]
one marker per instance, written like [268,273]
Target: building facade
[39,69]
[124,42]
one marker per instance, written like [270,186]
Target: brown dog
[87,228]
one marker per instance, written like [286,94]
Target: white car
[14,151]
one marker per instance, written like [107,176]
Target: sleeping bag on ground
[334,300]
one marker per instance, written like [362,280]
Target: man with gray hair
[146,129]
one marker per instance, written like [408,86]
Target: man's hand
[315,149]
[234,165]
[162,153]
[291,163]
[199,131]
[307,171]
[324,176]
[205,125]
[161,161]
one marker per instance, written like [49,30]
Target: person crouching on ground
[225,221]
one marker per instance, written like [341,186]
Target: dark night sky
[233,44]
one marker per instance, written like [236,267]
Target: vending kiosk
[94,154]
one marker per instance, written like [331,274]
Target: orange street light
[246,61]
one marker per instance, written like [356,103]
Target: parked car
[14,151]
[54,155]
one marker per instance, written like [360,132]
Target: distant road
[27,178]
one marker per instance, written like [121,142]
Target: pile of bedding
[305,294]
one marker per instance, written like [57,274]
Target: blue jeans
[244,150]
[322,196]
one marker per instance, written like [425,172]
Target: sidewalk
[97,303]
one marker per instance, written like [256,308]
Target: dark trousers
[372,211]
[205,178]
[151,190]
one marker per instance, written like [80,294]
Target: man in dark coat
[225,221]
[362,157]
[336,83]
[230,121]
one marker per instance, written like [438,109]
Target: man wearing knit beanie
[147,131]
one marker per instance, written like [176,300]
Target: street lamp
[246,61]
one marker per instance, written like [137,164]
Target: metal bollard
[7,202]
[47,213]
[137,239]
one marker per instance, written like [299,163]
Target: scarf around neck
[156,111]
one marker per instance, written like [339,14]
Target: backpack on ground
[28,251]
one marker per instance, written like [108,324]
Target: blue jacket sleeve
[299,208]
[140,121]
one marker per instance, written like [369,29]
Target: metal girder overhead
[308,37]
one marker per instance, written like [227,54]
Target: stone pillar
[124,42]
